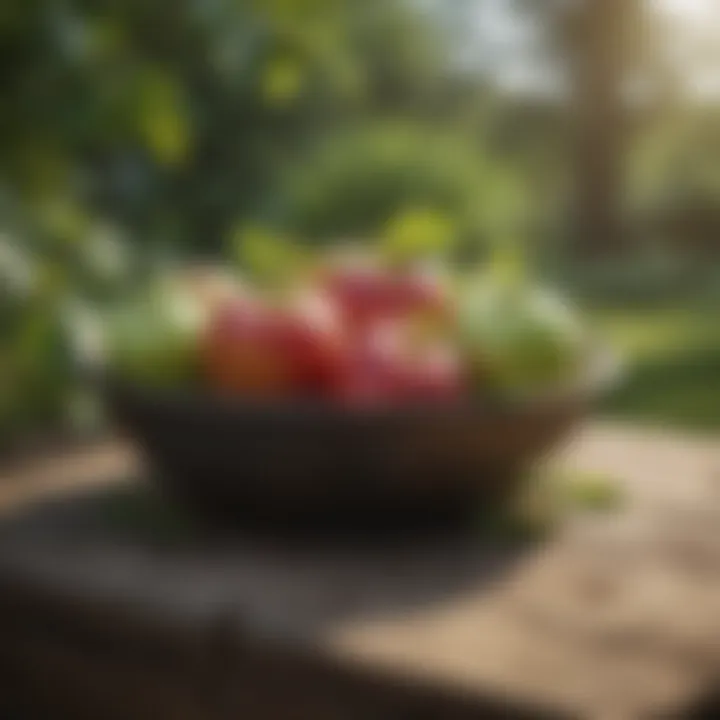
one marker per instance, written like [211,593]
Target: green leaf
[266,255]
[283,80]
[595,492]
[162,117]
[505,206]
[508,265]
[416,233]
[18,272]
[292,12]
[63,220]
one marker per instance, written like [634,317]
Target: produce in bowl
[354,391]
[353,332]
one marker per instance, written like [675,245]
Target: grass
[673,360]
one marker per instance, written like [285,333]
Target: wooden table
[618,616]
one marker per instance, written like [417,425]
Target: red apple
[257,350]
[315,345]
[366,293]
[390,368]
[243,351]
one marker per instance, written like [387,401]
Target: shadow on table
[128,540]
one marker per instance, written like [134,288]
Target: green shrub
[46,276]
[354,184]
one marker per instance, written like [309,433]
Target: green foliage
[674,180]
[283,80]
[133,128]
[549,497]
[592,491]
[356,183]
[137,129]
[673,359]
[162,119]
[190,110]
[35,351]
[270,258]
[65,256]
[416,233]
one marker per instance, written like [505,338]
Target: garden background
[140,132]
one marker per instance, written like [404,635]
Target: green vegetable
[518,336]
[154,338]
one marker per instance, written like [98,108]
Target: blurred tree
[172,120]
[177,116]
[601,32]
[675,181]
[606,53]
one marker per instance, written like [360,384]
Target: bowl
[317,465]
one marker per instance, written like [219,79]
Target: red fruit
[387,368]
[244,353]
[259,351]
[367,294]
[315,346]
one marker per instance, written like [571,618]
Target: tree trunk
[600,39]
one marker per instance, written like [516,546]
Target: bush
[354,184]
[45,278]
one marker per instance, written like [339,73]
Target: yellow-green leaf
[283,80]
[162,117]
[265,254]
[291,12]
[63,219]
[417,232]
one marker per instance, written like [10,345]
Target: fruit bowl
[303,463]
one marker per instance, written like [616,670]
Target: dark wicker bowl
[320,464]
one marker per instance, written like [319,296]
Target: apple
[242,351]
[392,365]
[366,292]
[316,344]
[261,350]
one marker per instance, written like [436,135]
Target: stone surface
[618,615]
